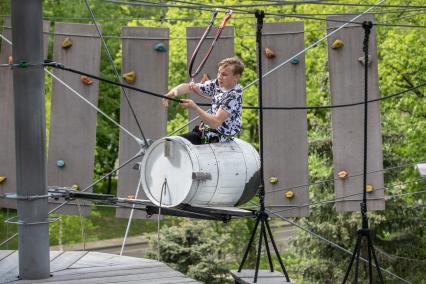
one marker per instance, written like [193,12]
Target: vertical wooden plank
[285,131]
[223,48]
[347,86]
[73,121]
[151,68]
[7,115]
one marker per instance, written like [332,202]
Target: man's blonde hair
[235,62]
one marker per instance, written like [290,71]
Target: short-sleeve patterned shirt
[230,101]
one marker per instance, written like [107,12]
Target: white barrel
[216,174]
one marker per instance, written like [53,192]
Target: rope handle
[207,54]
[225,20]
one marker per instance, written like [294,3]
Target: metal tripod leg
[268,252]
[259,249]
[358,241]
[249,244]
[276,250]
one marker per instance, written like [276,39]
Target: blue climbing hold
[160,47]
[60,163]
[295,61]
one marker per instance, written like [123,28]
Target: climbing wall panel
[347,86]
[7,116]
[285,131]
[72,136]
[223,48]
[145,52]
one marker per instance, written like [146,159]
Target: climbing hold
[369,188]
[3,179]
[66,43]
[75,187]
[160,47]
[338,43]
[129,77]
[362,60]
[289,194]
[86,80]
[342,174]
[269,53]
[205,78]
[273,180]
[60,163]
[295,61]
[10,60]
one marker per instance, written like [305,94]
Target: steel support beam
[28,86]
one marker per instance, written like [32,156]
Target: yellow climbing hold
[3,179]
[289,194]
[338,43]
[369,188]
[66,43]
[130,77]
[273,180]
[342,174]
[75,187]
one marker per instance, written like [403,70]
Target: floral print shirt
[231,102]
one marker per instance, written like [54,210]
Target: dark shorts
[196,137]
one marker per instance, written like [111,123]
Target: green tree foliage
[398,231]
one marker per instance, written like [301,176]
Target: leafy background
[206,250]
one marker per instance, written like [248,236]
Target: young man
[225,93]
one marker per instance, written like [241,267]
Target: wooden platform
[78,267]
[246,276]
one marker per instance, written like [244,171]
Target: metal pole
[28,86]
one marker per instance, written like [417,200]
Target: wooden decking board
[112,270]
[77,267]
[9,268]
[66,260]
[246,276]
[95,259]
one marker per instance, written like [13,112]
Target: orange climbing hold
[205,78]
[342,174]
[269,53]
[3,179]
[10,60]
[86,80]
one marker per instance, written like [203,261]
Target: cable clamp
[20,222]
[22,197]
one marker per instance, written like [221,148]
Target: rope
[163,188]
[315,43]
[131,216]
[92,15]
[335,245]
[62,67]
[342,198]
[349,176]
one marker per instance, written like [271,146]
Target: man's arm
[212,120]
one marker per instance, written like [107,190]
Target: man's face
[226,77]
